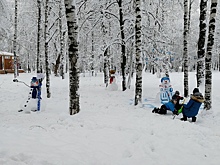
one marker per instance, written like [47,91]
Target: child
[191,109]
[167,106]
[177,95]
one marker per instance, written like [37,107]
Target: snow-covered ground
[109,130]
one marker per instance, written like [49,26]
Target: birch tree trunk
[74,106]
[58,65]
[92,56]
[105,69]
[131,68]
[185,49]
[219,62]
[61,40]
[46,36]
[208,58]
[106,58]
[123,57]
[15,40]
[138,84]
[39,31]
[201,43]
[189,13]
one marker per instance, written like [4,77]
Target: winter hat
[174,97]
[177,93]
[195,90]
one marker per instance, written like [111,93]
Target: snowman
[112,81]
[166,90]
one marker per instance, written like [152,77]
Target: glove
[180,110]
[175,112]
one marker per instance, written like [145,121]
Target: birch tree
[39,32]
[59,61]
[15,40]
[105,68]
[201,43]
[208,57]
[123,56]
[106,58]
[138,84]
[185,49]
[74,106]
[62,34]
[46,36]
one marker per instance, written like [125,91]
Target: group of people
[189,110]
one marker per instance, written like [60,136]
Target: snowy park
[109,129]
[87,82]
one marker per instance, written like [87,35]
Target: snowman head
[165,80]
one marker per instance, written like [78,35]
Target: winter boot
[163,110]
[193,119]
[184,118]
[155,110]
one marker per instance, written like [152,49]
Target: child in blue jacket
[191,109]
[167,106]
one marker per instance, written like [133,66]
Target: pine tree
[208,58]
[73,57]
[138,85]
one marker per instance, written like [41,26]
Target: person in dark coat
[178,98]
[191,109]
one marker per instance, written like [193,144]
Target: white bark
[208,58]
[74,106]
[138,85]
[185,49]
[46,36]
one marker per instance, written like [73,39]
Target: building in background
[7,63]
